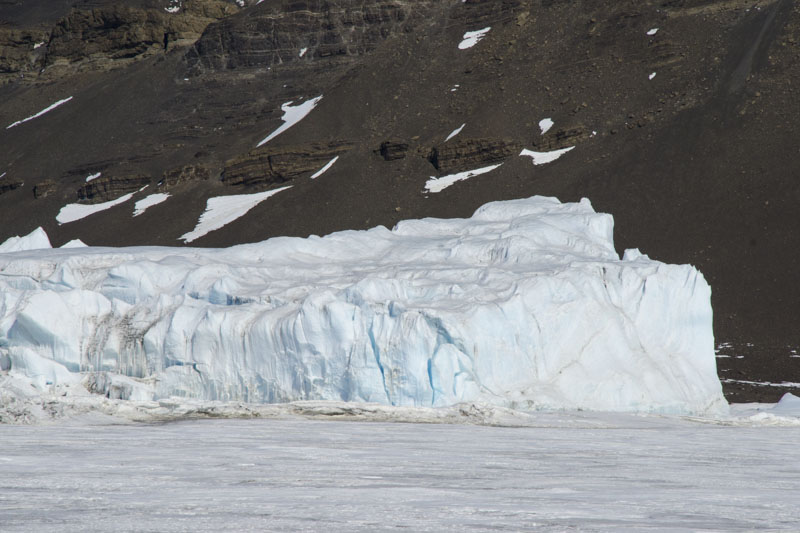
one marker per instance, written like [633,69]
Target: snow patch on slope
[223,210]
[455,132]
[73,212]
[524,305]
[149,201]
[40,113]
[439,184]
[291,116]
[324,169]
[471,38]
[541,158]
[545,124]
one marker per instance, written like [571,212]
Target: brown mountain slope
[699,163]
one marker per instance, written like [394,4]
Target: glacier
[525,305]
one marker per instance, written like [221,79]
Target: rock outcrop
[21,50]
[392,150]
[181,175]
[268,166]
[107,188]
[466,154]
[7,184]
[562,138]
[280,32]
[105,36]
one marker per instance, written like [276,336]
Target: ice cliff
[526,304]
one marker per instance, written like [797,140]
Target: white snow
[2,175]
[541,158]
[558,472]
[545,124]
[94,176]
[291,116]
[652,31]
[223,210]
[471,38]
[455,132]
[526,305]
[38,45]
[32,241]
[74,243]
[302,52]
[435,184]
[149,201]
[174,7]
[783,384]
[40,113]
[73,212]
[651,76]
[324,169]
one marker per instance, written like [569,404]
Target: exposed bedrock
[269,166]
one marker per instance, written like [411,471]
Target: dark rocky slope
[699,164]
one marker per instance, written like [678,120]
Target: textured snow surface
[40,113]
[149,201]
[73,212]
[541,158]
[526,304]
[560,472]
[435,184]
[291,116]
[471,38]
[34,240]
[222,210]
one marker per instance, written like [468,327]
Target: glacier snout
[526,304]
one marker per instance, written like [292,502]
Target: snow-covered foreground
[526,305]
[559,472]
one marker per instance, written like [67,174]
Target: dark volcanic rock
[267,166]
[107,188]
[467,154]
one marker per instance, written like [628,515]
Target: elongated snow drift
[526,304]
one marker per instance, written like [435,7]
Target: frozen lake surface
[576,472]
